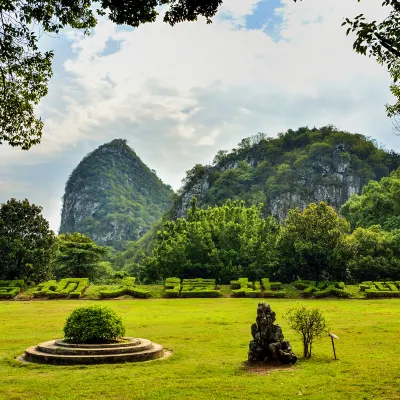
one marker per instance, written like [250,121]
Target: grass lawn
[209,339]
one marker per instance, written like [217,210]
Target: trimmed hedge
[243,288]
[69,287]
[9,289]
[381,286]
[265,283]
[170,283]
[171,293]
[308,292]
[14,283]
[9,292]
[301,285]
[276,285]
[199,293]
[245,293]
[278,294]
[392,287]
[376,294]
[127,288]
[332,291]
[198,288]
[172,288]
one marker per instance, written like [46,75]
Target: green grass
[209,339]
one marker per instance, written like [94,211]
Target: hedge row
[69,287]
[371,294]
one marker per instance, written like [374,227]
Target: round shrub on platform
[94,324]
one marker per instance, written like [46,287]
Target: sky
[179,94]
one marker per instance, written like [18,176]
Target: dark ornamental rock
[268,344]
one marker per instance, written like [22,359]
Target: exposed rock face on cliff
[112,196]
[292,170]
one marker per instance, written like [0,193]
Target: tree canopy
[78,256]
[379,204]
[27,245]
[312,244]
[219,242]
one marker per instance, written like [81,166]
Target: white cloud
[179,94]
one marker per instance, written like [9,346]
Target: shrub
[363,287]
[307,323]
[94,324]
[397,283]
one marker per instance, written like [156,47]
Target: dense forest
[113,197]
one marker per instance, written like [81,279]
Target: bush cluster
[94,324]
[68,287]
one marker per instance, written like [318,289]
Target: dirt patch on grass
[261,368]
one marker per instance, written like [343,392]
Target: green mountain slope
[292,170]
[112,196]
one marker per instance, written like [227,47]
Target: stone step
[131,341]
[32,354]
[53,347]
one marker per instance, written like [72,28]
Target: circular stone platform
[59,352]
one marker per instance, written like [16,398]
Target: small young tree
[309,323]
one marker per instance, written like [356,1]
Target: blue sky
[181,94]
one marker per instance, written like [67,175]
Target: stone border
[51,352]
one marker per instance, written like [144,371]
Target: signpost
[333,336]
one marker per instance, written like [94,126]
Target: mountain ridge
[112,196]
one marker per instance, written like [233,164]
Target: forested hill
[292,170]
[112,196]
